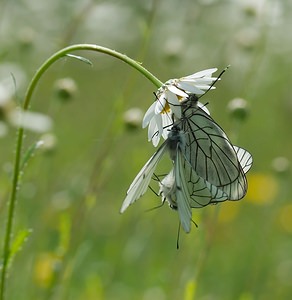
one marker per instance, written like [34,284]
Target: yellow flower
[263,188]
[45,268]
[228,212]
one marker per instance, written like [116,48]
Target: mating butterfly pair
[207,168]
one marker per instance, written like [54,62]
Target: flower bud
[238,108]
[49,142]
[281,165]
[133,118]
[65,89]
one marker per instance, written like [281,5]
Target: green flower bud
[238,109]
[65,89]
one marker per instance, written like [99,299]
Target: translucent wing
[201,192]
[237,189]
[182,193]
[212,155]
[183,189]
[244,158]
[142,180]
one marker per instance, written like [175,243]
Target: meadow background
[79,246]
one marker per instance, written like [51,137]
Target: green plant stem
[19,142]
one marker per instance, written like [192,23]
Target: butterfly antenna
[178,235]
[163,107]
[198,97]
[217,79]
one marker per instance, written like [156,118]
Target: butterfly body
[167,190]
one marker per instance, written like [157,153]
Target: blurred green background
[80,247]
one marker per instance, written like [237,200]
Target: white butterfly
[182,188]
[213,169]
[142,180]
[211,154]
[174,144]
[207,167]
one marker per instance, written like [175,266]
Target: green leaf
[65,232]
[81,58]
[29,153]
[17,243]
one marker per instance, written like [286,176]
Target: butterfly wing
[201,192]
[191,191]
[212,155]
[182,193]
[237,189]
[140,183]
[183,185]
[244,158]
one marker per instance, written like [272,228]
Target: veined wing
[237,189]
[244,158]
[201,192]
[183,189]
[182,193]
[142,180]
[212,155]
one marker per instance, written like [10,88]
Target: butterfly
[173,144]
[187,182]
[207,168]
[214,169]
[210,152]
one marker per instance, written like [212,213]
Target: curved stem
[89,47]
[16,173]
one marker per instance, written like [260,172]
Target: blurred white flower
[33,121]
[133,117]
[167,107]
[15,116]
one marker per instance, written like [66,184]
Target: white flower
[167,107]
[15,116]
